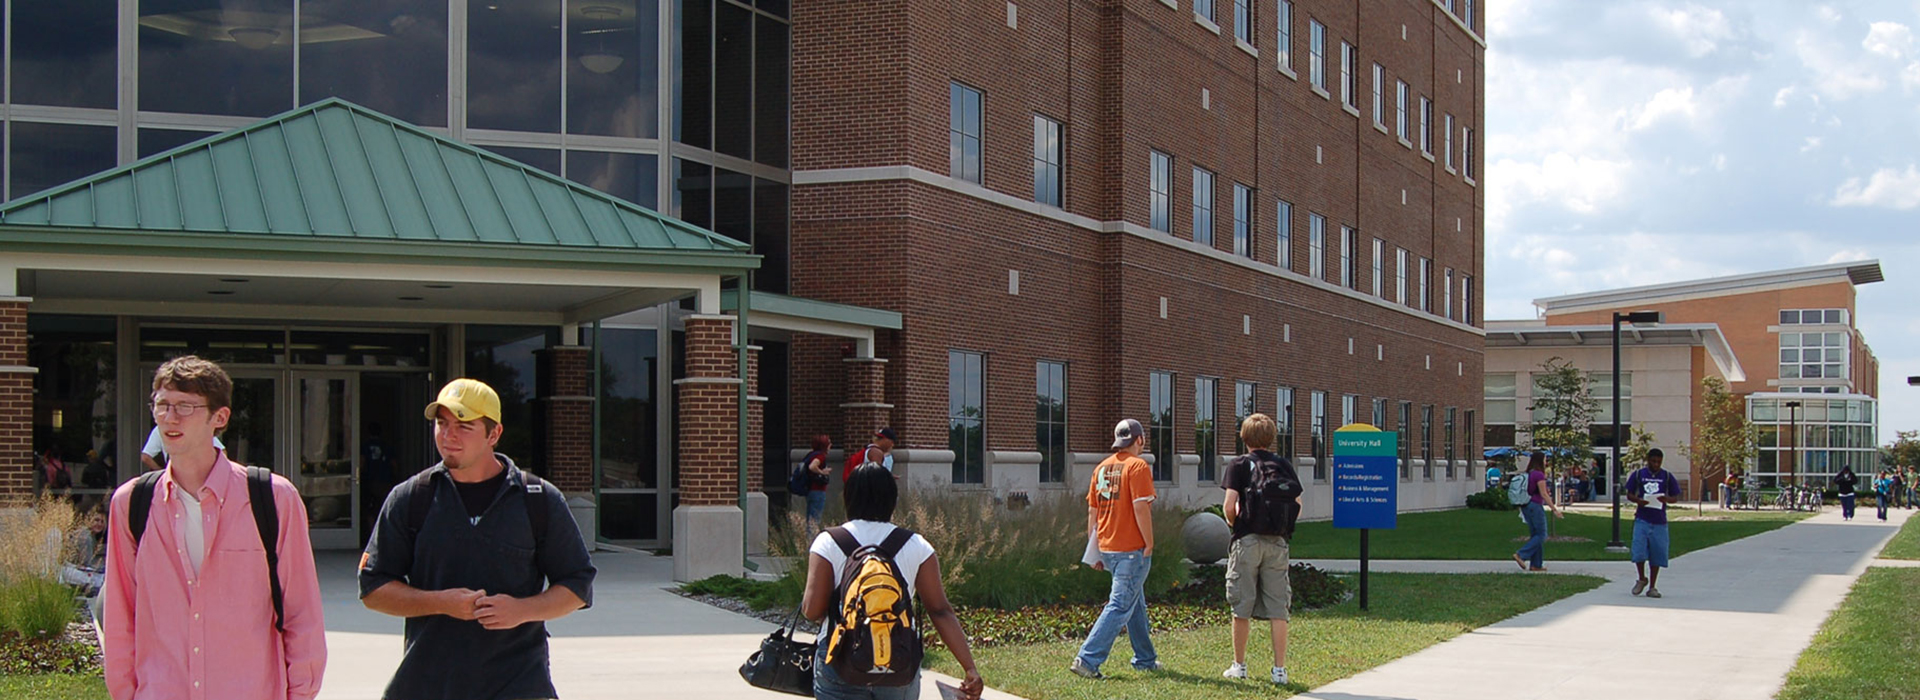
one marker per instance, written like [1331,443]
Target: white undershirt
[196,530]
[868,532]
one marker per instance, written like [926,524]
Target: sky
[1634,142]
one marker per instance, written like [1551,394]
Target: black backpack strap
[140,503]
[419,501]
[537,510]
[266,517]
[840,535]
[894,542]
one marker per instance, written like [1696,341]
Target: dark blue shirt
[450,658]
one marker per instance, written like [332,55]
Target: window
[1317,55]
[1283,233]
[1466,153]
[1400,276]
[1243,21]
[1466,433]
[1050,420]
[1426,441]
[963,133]
[1379,96]
[1796,317]
[1204,8]
[1349,241]
[1346,75]
[1046,161]
[1283,419]
[1502,409]
[1283,40]
[1379,262]
[1316,246]
[1349,406]
[1160,192]
[1318,426]
[1466,299]
[1405,428]
[1246,402]
[1448,426]
[1160,418]
[1203,207]
[1446,295]
[1600,385]
[1242,220]
[1400,109]
[1426,126]
[965,417]
[1380,414]
[1814,355]
[1446,132]
[1426,277]
[1205,443]
[1467,16]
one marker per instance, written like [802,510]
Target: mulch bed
[78,651]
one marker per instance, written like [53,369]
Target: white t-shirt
[868,532]
[196,529]
[154,447]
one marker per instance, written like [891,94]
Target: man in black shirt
[1262,504]
[477,555]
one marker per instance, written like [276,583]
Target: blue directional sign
[1365,478]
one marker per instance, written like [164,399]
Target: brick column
[757,499]
[16,402]
[865,408]
[565,400]
[707,526]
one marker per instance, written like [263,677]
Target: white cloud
[1669,102]
[1827,14]
[1834,73]
[1848,255]
[1887,187]
[1786,93]
[1891,39]
[1910,78]
[1701,29]
[1813,142]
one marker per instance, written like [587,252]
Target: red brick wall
[1124,77]
[708,414]
[16,404]
[566,404]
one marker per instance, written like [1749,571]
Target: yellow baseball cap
[468,399]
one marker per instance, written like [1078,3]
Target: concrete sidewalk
[1733,622]
[1613,570]
[637,641]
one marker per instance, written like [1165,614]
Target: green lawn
[1472,534]
[1866,650]
[1905,544]
[1409,612]
[53,685]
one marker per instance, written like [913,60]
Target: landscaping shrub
[1312,588]
[33,541]
[1490,499]
[759,595]
[36,607]
[995,558]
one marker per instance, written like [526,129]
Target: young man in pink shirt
[189,609]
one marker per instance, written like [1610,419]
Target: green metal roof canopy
[337,180]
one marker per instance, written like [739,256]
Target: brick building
[1181,212]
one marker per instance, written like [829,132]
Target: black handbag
[782,664]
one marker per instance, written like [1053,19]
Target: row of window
[1349,55]
[1814,355]
[1791,317]
[966,421]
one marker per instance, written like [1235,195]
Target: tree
[1726,440]
[1564,408]
[1633,455]
[1904,451]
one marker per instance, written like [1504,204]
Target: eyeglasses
[182,410]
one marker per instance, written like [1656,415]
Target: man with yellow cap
[477,555]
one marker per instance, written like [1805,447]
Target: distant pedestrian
[1900,489]
[880,452]
[817,479]
[1262,504]
[1843,484]
[871,496]
[1120,517]
[1729,489]
[1882,492]
[1652,489]
[1532,555]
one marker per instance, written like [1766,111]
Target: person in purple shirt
[1652,489]
[1532,555]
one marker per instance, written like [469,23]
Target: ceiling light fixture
[235,280]
[255,38]
[220,292]
[439,286]
[601,61]
[413,298]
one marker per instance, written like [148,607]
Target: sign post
[1365,486]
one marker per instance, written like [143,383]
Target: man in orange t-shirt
[1120,515]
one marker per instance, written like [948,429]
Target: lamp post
[1913,381]
[1793,448]
[1613,484]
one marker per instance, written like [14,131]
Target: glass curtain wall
[1811,442]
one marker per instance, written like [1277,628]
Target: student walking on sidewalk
[1651,488]
[1532,555]
[1120,514]
[1844,482]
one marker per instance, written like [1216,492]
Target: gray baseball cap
[1127,431]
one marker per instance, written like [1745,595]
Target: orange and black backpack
[875,638]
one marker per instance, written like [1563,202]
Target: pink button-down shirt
[176,636]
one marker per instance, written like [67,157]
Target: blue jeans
[1126,607]
[1880,501]
[828,686]
[816,504]
[1650,544]
[1846,506]
[1535,550]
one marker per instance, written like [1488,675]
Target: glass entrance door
[252,432]
[322,460]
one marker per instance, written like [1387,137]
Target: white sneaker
[1237,670]
[1279,676]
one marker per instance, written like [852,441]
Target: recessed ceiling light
[235,280]
[439,286]
[220,292]
[413,298]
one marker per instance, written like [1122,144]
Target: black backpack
[1272,487]
[266,517]
[874,638]
[801,479]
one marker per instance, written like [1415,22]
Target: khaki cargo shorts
[1257,585]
